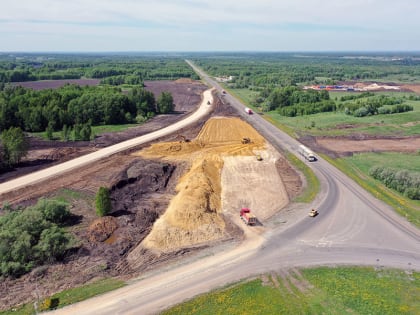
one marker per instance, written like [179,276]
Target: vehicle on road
[248,217]
[313,213]
[248,111]
[306,153]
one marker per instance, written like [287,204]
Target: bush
[28,239]
[49,304]
[384,110]
[103,202]
[361,112]
[53,210]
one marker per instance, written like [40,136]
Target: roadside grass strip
[345,290]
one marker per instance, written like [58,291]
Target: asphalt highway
[352,228]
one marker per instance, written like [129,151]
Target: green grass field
[357,167]
[338,291]
[338,123]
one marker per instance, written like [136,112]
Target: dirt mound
[219,135]
[193,215]
[229,131]
[101,229]
[196,214]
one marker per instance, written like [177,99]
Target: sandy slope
[257,185]
[224,175]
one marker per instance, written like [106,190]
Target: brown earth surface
[142,189]
[383,86]
[348,145]
[411,87]
[221,170]
[55,84]
[43,153]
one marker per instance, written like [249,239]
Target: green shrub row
[403,181]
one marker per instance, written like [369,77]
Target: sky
[209,25]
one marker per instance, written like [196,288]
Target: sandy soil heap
[195,214]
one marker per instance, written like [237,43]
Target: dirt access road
[60,169]
[352,228]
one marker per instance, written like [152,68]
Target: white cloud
[219,20]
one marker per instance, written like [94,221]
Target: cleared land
[55,84]
[343,145]
[224,175]
[144,189]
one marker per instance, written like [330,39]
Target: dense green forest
[112,69]
[73,105]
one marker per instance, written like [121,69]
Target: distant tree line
[112,69]
[403,181]
[261,70]
[33,236]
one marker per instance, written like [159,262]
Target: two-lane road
[353,228]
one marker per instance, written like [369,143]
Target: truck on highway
[248,217]
[306,153]
[248,111]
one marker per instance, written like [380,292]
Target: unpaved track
[60,169]
[352,228]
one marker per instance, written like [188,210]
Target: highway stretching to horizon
[353,228]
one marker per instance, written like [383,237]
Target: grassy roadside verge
[312,183]
[346,290]
[401,205]
[69,296]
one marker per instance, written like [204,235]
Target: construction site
[170,199]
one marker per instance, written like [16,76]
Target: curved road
[352,228]
[71,165]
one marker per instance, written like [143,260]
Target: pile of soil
[193,216]
[196,214]
[142,189]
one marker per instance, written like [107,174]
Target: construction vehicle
[182,138]
[248,111]
[313,213]
[245,140]
[259,157]
[306,153]
[248,217]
